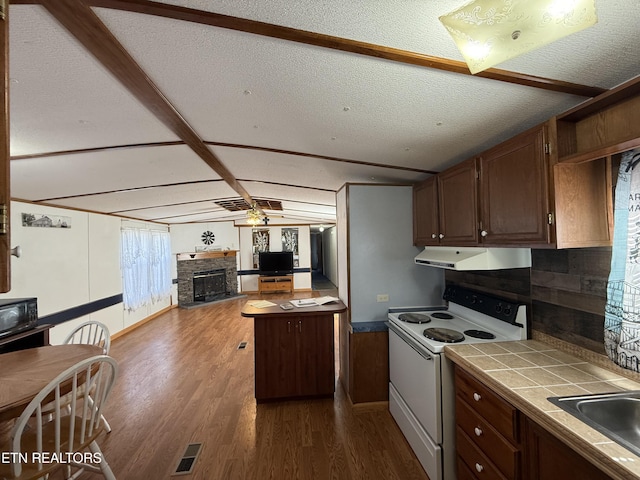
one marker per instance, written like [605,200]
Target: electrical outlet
[382,297]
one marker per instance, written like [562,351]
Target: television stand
[275,283]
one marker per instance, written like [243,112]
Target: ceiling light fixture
[488,32]
[254,216]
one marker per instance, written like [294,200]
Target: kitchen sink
[616,415]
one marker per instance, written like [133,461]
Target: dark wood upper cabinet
[445,207]
[518,194]
[426,225]
[529,199]
[458,206]
[514,191]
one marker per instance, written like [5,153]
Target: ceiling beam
[337,43]
[218,144]
[86,27]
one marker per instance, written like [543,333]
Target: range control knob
[498,308]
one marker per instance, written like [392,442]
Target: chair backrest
[70,429]
[91,333]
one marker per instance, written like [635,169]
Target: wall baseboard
[130,328]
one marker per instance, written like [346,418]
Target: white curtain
[622,310]
[146,266]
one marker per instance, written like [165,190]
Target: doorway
[319,279]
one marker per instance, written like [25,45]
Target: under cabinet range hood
[474,258]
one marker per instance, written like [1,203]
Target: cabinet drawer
[475,460]
[504,455]
[497,412]
[463,471]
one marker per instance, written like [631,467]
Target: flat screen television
[276,263]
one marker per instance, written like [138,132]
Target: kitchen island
[294,350]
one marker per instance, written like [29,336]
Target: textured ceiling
[287,121]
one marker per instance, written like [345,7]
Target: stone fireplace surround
[190,263]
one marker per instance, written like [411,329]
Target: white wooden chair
[92,333]
[42,443]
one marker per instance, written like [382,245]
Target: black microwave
[17,314]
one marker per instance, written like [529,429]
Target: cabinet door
[316,362]
[547,458]
[275,357]
[5,196]
[425,213]
[458,202]
[514,191]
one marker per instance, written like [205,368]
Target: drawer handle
[479,468]
[478,431]
[476,397]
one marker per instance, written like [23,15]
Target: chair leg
[107,427]
[104,466]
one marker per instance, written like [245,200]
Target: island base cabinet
[294,356]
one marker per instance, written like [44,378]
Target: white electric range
[421,387]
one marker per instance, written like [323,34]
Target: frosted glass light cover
[488,32]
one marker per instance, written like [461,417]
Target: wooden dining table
[25,372]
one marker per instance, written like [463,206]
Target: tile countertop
[526,372]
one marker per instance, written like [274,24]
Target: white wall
[381,252]
[301,281]
[185,238]
[342,229]
[330,254]
[70,267]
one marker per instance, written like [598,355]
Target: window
[145,261]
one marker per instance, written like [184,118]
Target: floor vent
[242,345]
[188,460]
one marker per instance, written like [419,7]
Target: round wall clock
[208,237]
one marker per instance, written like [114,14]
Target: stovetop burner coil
[480,334]
[414,318]
[442,316]
[445,335]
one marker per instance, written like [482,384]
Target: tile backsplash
[564,290]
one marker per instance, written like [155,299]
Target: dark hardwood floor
[183,380]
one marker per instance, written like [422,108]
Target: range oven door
[415,374]
[414,399]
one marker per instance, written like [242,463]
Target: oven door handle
[409,341]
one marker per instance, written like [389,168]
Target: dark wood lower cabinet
[488,439]
[294,356]
[547,458]
[494,440]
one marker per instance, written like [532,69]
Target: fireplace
[205,277]
[210,285]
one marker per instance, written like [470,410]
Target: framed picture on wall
[290,244]
[45,221]
[260,244]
